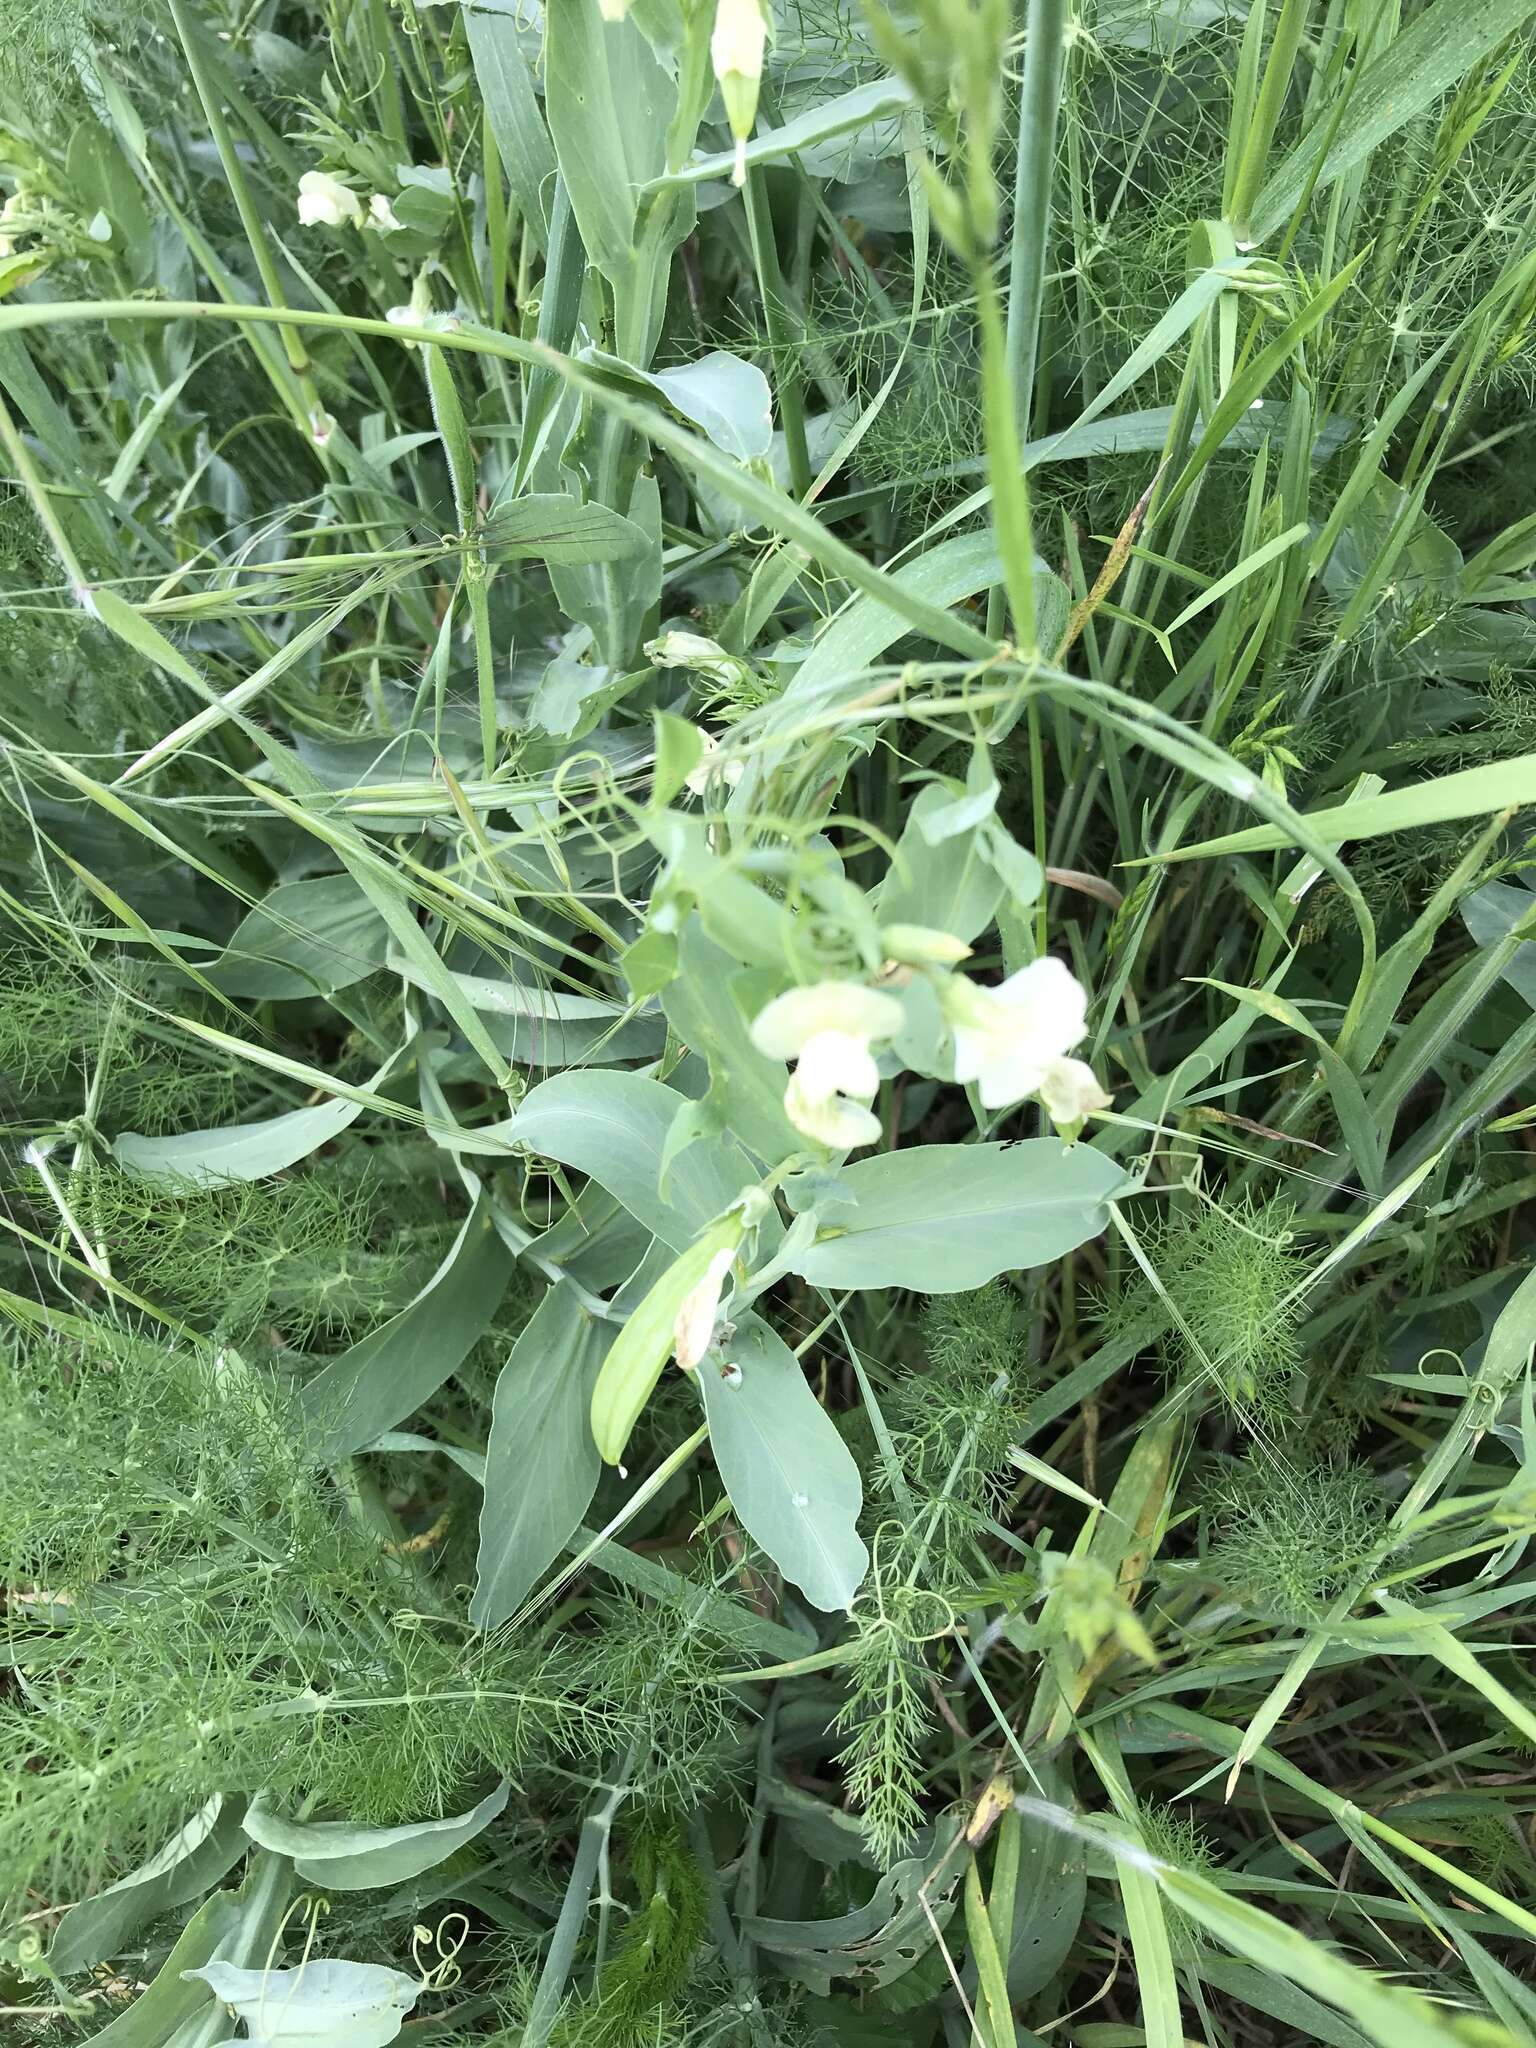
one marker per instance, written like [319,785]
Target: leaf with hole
[791,1479]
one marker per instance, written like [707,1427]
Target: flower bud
[922,945]
[736,53]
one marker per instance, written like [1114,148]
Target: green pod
[640,1351]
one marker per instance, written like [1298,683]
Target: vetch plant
[766,1023]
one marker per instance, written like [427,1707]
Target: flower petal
[326,201]
[1048,1001]
[1070,1091]
[836,1063]
[832,1121]
[790,1021]
[694,1330]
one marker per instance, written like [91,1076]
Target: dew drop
[801,1500]
[731,1374]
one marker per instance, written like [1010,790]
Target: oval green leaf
[345,1858]
[541,1464]
[942,1219]
[791,1479]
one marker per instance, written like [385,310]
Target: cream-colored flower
[713,766]
[692,651]
[694,1330]
[736,54]
[325,202]
[419,311]
[835,1120]
[1070,1091]
[381,214]
[1008,1038]
[829,1031]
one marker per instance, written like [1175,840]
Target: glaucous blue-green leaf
[470,1462]
[237,1152]
[305,938]
[325,2004]
[751,925]
[1049,1898]
[949,884]
[614,598]
[502,71]
[879,1941]
[727,398]
[573,696]
[550,1027]
[541,1463]
[965,810]
[746,1090]
[942,1219]
[345,1858]
[391,1371]
[174,1998]
[608,102]
[189,1864]
[791,1479]
[1491,914]
[253,1151]
[883,99]
[614,1127]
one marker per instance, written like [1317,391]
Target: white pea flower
[829,1030]
[692,651]
[324,201]
[381,214]
[419,311]
[711,765]
[1070,1091]
[736,53]
[694,1330]
[1012,1040]
[14,209]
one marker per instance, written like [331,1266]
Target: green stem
[1034,169]
[250,217]
[1010,491]
[784,344]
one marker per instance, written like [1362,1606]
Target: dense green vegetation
[769,796]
